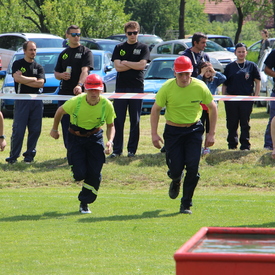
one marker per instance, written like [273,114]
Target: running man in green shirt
[183,131]
[88,112]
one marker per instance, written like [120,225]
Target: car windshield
[47,42]
[97,62]
[47,60]
[213,47]
[222,41]
[160,69]
[210,46]
[149,40]
[108,46]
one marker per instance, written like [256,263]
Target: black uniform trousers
[183,151]
[134,107]
[27,114]
[268,144]
[86,157]
[238,112]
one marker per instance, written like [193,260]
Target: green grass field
[134,227]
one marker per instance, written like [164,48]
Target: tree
[181,19]
[245,8]
[97,18]
[153,17]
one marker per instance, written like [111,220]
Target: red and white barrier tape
[128,96]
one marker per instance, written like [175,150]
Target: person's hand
[77,90]
[3,144]
[157,140]
[54,134]
[209,141]
[203,70]
[66,76]
[18,72]
[109,147]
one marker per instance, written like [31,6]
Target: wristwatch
[2,137]
[80,84]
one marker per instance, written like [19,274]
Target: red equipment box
[228,251]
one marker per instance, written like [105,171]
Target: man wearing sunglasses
[130,59]
[72,68]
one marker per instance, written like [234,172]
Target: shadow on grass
[260,115]
[145,215]
[36,167]
[56,215]
[145,160]
[218,156]
[46,215]
[263,225]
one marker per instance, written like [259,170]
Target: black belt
[87,134]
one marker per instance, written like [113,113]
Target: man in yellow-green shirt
[85,151]
[183,131]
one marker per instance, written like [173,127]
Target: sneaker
[28,161]
[84,209]
[113,155]
[185,210]
[174,189]
[11,160]
[131,155]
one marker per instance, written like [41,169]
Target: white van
[11,42]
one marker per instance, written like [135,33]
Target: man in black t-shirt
[196,52]
[130,59]
[72,68]
[29,78]
[269,70]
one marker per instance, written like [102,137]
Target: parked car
[267,82]
[47,57]
[149,39]
[104,67]
[224,41]
[254,49]
[219,57]
[99,44]
[159,70]
[11,42]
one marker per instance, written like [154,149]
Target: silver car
[219,57]
[11,42]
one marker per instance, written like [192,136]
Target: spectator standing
[196,52]
[241,76]
[269,70]
[272,127]
[183,129]
[72,68]
[213,80]
[88,112]
[29,78]
[264,42]
[2,137]
[130,59]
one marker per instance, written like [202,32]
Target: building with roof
[222,11]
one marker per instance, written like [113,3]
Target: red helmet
[93,81]
[183,64]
